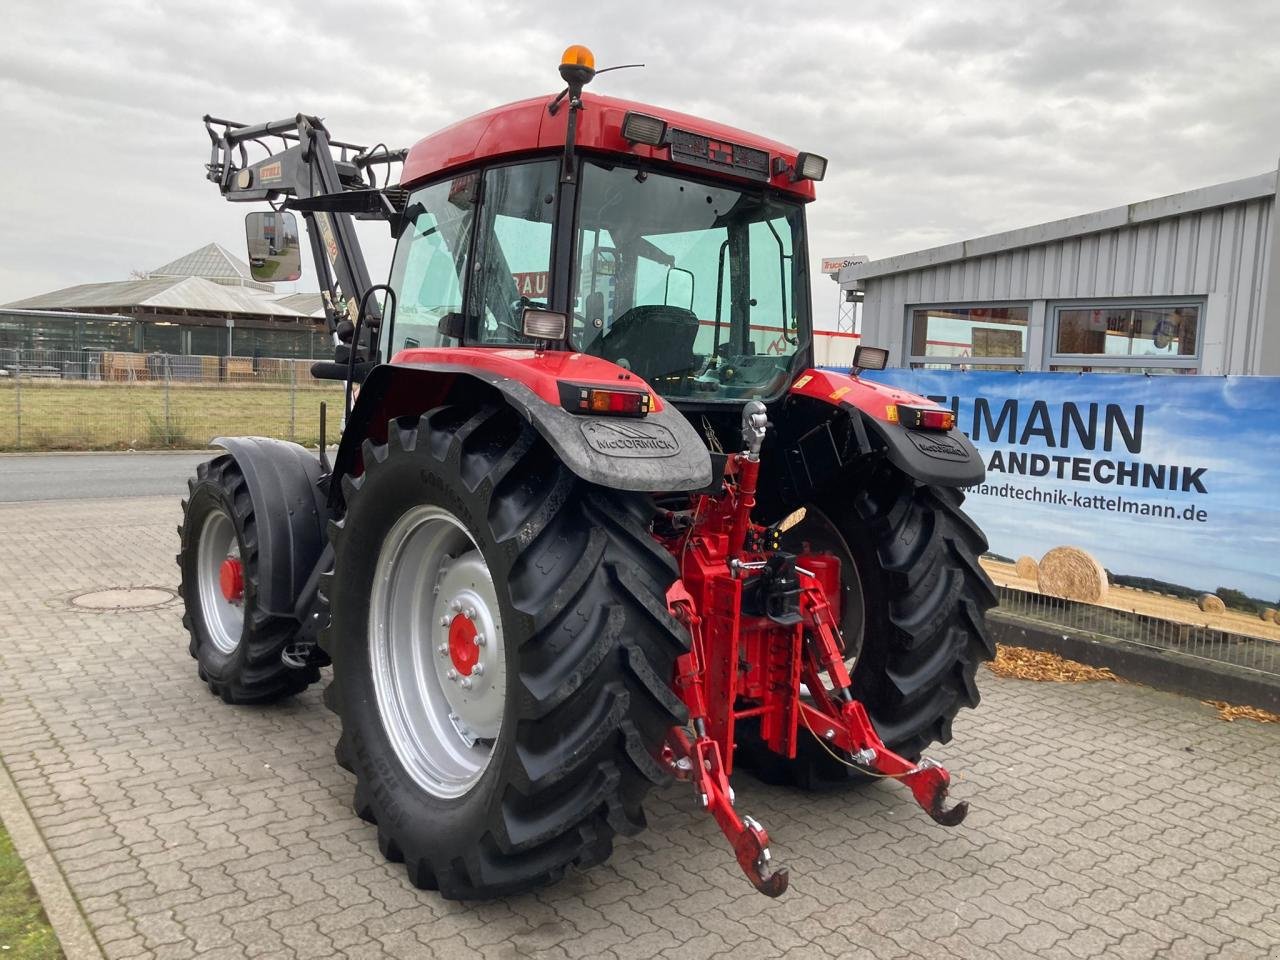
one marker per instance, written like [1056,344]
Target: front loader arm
[328,191]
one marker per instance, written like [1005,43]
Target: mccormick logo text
[630,440]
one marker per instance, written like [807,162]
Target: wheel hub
[231,579]
[463,650]
[471,672]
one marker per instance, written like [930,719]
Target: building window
[968,337]
[1126,337]
[161,337]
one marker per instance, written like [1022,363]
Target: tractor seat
[656,340]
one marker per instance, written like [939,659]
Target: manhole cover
[131,598]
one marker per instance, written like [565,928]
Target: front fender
[945,459]
[289,511]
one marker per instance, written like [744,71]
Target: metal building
[1182,284]
[204,303]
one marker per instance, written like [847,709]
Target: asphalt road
[82,476]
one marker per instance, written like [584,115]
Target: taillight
[926,418]
[578,398]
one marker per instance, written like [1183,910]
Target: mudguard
[946,459]
[290,512]
[657,453]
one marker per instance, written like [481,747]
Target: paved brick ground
[1108,820]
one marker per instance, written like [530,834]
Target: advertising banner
[1170,482]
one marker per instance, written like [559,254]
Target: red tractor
[595,521]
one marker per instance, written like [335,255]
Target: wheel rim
[439,665]
[223,617]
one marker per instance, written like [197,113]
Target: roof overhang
[1205,198]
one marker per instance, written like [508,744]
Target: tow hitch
[770,615]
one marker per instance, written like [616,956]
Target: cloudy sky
[941,120]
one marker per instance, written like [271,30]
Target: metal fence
[112,400]
[1202,642]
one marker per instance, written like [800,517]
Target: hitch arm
[928,780]
[852,730]
[701,763]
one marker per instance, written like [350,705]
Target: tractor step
[302,654]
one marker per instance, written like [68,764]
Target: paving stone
[188,828]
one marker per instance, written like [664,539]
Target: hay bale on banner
[1072,574]
[1212,603]
[1026,568]
[1270,615]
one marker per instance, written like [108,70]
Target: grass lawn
[69,415]
[24,932]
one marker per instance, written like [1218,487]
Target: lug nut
[452,674]
[456,606]
[443,649]
[480,640]
[470,613]
[444,621]
[478,670]
[466,683]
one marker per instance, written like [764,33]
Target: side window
[513,258]
[431,261]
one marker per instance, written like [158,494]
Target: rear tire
[236,646]
[587,653]
[923,631]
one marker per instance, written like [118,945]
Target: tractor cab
[665,244]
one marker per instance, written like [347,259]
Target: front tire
[236,646]
[568,589]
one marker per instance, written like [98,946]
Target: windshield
[699,289]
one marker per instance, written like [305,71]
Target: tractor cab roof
[526,127]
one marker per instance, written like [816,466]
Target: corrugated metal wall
[1220,254]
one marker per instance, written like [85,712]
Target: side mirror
[275,249]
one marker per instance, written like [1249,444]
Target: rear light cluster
[577,398]
[926,418]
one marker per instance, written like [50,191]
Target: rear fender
[290,513]
[657,453]
[945,459]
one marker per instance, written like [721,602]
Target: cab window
[430,263]
[697,287]
[513,252]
